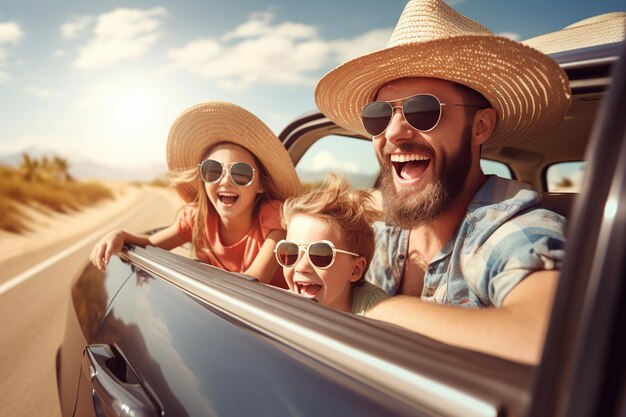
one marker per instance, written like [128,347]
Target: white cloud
[362,44]
[76,26]
[257,25]
[260,25]
[10,34]
[195,55]
[119,35]
[261,52]
[326,161]
[510,35]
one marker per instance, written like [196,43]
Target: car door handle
[116,389]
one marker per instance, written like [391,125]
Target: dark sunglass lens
[241,173]
[376,117]
[321,254]
[422,112]
[287,253]
[211,170]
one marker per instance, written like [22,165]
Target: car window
[355,159]
[496,168]
[565,177]
[351,157]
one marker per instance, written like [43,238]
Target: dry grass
[58,196]
[11,220]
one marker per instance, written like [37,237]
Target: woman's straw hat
[207,124]
[598,30]
[528,90]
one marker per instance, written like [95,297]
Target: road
[34,297]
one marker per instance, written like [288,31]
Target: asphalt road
[34,302]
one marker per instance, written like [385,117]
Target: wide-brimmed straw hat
[597,30]
[207,124]
[528,90]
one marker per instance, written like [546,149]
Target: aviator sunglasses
[321,254]
[241,173]
[422,111]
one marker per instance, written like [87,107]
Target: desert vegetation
[43,184]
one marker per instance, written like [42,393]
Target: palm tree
[61,167]
[29,167]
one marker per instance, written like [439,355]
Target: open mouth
[227,198]
[409,167]
[307,289]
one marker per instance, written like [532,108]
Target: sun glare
[132,108]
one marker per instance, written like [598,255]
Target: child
[234,174]
[329,245]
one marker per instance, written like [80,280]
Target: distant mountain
[14,159]
[96,170]
[85,169]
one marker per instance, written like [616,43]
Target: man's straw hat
[528,90]
[200,127]
[598,30]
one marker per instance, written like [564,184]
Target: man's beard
[409,208]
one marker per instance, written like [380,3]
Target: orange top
[237,257]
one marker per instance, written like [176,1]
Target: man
[474,258]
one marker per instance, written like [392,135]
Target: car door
[185,339]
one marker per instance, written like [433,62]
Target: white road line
[28,274]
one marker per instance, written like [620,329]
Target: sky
[104,80]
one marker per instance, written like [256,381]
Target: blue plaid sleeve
[531,241]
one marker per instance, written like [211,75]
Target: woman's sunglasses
[241,173]
[422,111]
[321,254]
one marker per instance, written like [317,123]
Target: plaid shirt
[505,236]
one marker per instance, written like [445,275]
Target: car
[159,334]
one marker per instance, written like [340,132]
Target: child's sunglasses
[241,173]
[321,254]
[422,111]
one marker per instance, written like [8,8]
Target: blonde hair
[204,207]
[349,212]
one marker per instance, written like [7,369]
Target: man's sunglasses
[241,173]
[321,254]
[422,111]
